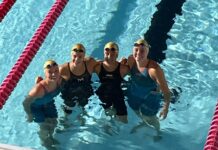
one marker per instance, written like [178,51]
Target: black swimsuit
[110,92]
[77,89]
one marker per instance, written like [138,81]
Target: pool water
[191,63]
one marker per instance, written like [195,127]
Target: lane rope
[5,7]
[10,82]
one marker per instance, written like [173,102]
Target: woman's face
[78,54]
[52,72]
[110,53]
[140,51]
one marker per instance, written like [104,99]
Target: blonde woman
[77,74]
[111,74]
[39,104]
[146,77]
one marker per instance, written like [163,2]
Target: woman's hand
[29,118]
[163,113]
[123,61]
[38,79]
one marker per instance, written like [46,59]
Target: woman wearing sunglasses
[77,74]
[146,77]
[39,104]
[111,74]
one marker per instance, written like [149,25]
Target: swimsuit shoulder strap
[68,64]
[86,68]
[152,64]
[43,86]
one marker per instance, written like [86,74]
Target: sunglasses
[141,44]
[78,50]
[110,49]
[49,66]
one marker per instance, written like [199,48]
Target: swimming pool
[191,63]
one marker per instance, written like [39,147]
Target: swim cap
[49,63]
[111,45]
[78,46]
[142,41]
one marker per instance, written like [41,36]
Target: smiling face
[78,53]
[140,50]
[111,51]
[51,70]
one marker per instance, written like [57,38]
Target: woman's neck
[110,65]
[143,63]
[50,85]
[77,68]
[77,64]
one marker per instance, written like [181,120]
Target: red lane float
[10,82]
[212,138]
[5,6]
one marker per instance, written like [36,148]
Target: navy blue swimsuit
[77,89]
[141,92]
[44,107]
[110,92]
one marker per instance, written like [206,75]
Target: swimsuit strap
[118,68]
[68,64]
[147,64]
[86,68]
[72,74]
[102,66]
[43,86]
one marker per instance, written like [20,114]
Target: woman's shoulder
[37,91]
[131,61]
[89,59]
[63,66]
[153,64]
[130,57]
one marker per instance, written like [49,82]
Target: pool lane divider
[10,82]
[212,138]
[5,6]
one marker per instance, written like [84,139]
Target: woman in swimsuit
[77,74]
[146,77]
[111,74]
[39,104]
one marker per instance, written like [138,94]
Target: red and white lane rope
[5,6]
[10,82]
[212,138]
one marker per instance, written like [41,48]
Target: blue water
[191,63]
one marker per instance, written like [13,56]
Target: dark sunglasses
[110,49]
[78,50]
[49,66]
[141,44]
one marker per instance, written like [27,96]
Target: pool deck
[12,147]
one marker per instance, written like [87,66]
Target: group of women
[146,88]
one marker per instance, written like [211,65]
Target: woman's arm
[124,70]
[158,75]
[92,64]
[130,61]
[97,67]
[35,93]
[64,71]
